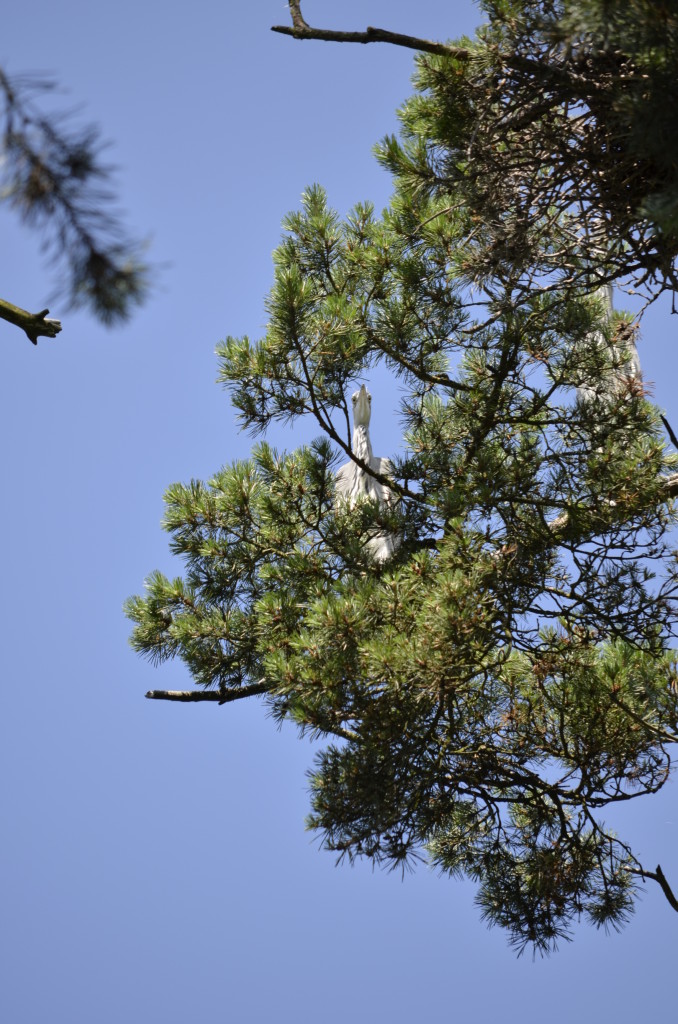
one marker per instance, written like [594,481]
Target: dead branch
[300,29]
[224,696]
[659,877]
[297,17]
[34,325]
[669,431]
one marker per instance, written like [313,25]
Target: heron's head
[362,407]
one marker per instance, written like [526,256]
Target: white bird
[625,370]
[354,483]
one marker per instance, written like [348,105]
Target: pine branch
[670,485]
[33,324]
[300,29]
[53,177]
[220,696]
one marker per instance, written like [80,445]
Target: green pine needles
[508,675]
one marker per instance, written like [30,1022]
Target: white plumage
[354,483]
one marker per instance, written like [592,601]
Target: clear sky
[155,863]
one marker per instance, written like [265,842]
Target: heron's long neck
[362,446]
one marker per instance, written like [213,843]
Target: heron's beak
[361,411]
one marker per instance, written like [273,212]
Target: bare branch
[33,324]
[669,431]
[300,29]
[184,695]
[666,888]
[297,17]
[659,877]
[219,696]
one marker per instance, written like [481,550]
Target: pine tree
[488,691]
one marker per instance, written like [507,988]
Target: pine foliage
[52,175]
[562,110]
[508,675]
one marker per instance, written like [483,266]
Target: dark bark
[659,877]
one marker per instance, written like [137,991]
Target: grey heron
[353,482]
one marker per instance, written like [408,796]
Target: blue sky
[155,860]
